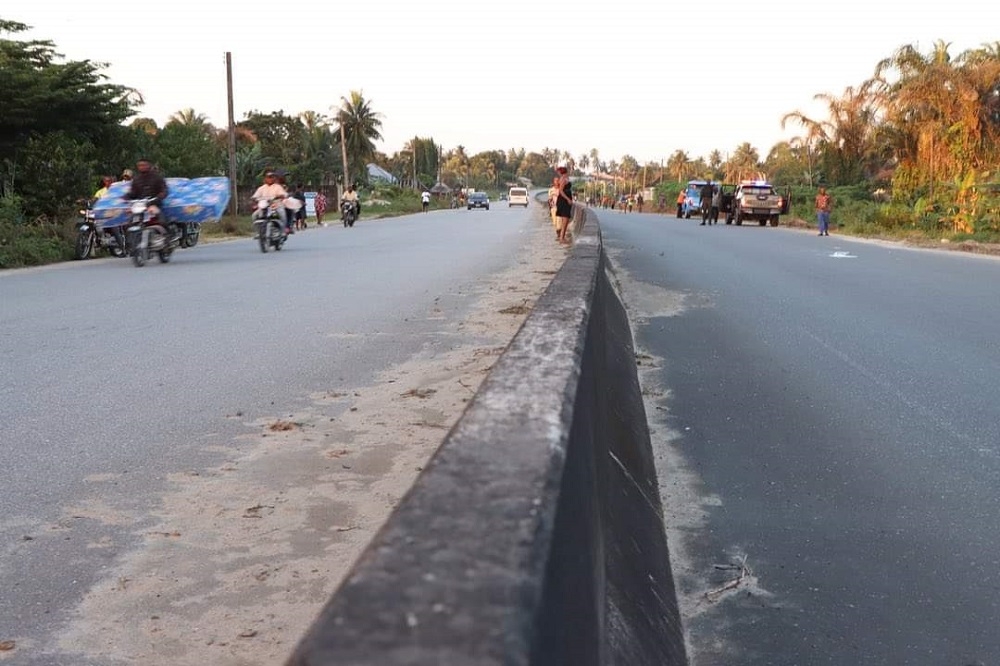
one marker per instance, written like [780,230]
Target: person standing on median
[680,202]
[824,203]
[564,205]
[553,197]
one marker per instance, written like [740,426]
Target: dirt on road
[245,554]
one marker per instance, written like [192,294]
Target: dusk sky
[628,77]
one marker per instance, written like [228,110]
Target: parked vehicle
[692,198]
[91,237]
[756,200]
[270,224]
[146,234]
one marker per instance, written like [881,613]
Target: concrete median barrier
[535,535]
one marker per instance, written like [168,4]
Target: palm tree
[191,118]
[941,114]
[147,125]
[744,163]
[847,138]
[677,165]
[359,127]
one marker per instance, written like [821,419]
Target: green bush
[31,243]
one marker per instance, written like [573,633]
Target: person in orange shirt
[824,202]
[680,201]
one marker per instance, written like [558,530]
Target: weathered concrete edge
[498,554]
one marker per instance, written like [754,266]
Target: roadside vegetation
[914,150]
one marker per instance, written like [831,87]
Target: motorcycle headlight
[262,204]
[138,208]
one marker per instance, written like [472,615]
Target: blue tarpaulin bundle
[189,201]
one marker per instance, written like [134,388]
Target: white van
[518,196]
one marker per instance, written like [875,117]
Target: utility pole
[233,200]
[343,152]
[414,147]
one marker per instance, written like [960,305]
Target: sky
[635,77]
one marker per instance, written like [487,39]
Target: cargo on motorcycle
[160,214]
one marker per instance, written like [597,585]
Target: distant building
[375,172]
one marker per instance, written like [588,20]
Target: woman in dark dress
[564,205]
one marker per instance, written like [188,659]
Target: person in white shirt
[268,191]
[425,200]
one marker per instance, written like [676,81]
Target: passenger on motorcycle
[352,196]
[106,182]
[149,184]
[271,189]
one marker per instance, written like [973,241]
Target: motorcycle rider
[352,196]
[149,184]
[271,189]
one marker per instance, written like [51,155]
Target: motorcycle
[348,213]
[146,234]
[90,237]
[270,224]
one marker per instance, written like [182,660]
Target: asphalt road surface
[111,370]
[827,426]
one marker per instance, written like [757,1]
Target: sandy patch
[243,556]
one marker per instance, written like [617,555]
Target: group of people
[275,188]
[561,204]
[711,203]
[625,203]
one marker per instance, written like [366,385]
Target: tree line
[925,128]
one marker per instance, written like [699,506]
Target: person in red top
[824,203]
[320,203]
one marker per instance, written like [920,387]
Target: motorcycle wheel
[84,244]
[277,236]
[118,249]
[190,237]
[164,255]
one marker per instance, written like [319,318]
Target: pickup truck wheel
[774,220]
[763,222]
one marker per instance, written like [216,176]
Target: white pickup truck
[756,200]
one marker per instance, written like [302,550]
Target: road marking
[843,255]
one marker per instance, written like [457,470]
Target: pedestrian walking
[320,204]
